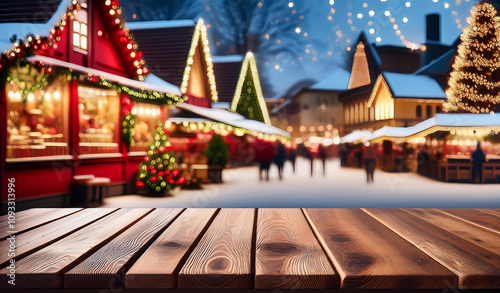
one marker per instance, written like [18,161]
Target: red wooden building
[76,97]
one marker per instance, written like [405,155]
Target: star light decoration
[474,84]
[200,32]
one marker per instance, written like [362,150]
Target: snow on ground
[340,188]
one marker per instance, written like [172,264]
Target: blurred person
[478,158]
[264,155]
[322,155]
[292,156]
[370,160]
[280,157]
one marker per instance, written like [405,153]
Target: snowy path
[341,188]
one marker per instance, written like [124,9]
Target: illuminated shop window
[80,28]
[99,112]
[147,117]
[37,122]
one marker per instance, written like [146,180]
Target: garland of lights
[128,121]
[473,85]
[249,69]
[200,32]
[225,129]
[37,86]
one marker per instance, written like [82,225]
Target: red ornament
[123,39]
[162,149]
[138,54]
[146,158]
[161,173]
[153,178]
[182,180]
[167,171]
[175,172]
[153,171]
[139,183]
[171,181]
[145,70]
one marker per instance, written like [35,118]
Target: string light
[200,33]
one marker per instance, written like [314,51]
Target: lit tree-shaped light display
[248,98]
[474,85]
[157,172]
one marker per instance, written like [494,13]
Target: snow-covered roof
[438,65]
[23,29]
[221,105]
[228,58]
[355,136]
[338,81]
[446,121]
[413,86]
[230,118]
[151,83]
[157,24]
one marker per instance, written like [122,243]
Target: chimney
[433,28]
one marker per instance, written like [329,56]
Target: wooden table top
[344,250]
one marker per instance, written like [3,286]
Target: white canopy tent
[440,122]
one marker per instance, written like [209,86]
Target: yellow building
[382,94]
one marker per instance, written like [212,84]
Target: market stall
[77,99]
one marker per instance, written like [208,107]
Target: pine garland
[474,85]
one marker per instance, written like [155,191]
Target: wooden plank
[476,234]
[106,268]
[495,212]
[159,265]
[32,220]
[288,255]
[40,237]
[46,267]
[25,214]
[222,259]
[476,267]
[475,216]
[368,255]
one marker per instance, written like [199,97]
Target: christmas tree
[474,85]
[248,104]
[248,98]
[157,172]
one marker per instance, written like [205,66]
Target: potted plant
[217,154]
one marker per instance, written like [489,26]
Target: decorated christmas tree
[157,172]
[474,86]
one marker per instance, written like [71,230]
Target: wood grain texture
[159,266]
[476,267]
[222,259]
[476,234]
[31,220]
[368,255]
[40,237]
[288,255]
[106,267]
[476,216]
[46,267]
